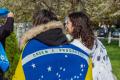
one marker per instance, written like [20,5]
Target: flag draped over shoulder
[66,62]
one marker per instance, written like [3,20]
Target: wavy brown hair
[82,28]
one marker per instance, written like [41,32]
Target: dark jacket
[6,29]
[52,37]
[50,34]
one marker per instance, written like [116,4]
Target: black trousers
[1,75]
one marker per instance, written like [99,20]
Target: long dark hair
[82,28]
[43,16]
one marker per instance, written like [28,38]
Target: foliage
[12,53]
[100,9]
[97,9]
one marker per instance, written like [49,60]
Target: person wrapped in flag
[48,55]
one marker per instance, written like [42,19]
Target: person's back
[54,62]
[47,29]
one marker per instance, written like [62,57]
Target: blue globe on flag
[53,63]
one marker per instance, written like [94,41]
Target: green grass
[114,54]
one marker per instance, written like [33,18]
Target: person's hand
[10,14]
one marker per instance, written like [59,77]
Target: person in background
[79,28]
[5,31]
[6,28]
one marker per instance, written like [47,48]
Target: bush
[13,54]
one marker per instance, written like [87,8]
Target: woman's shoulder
[79,44]
[99,43]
